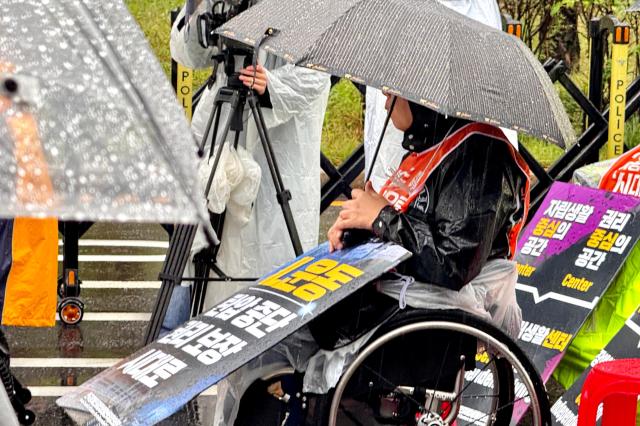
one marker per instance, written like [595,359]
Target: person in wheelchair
[457,202]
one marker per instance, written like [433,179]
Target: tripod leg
[214,113]
[171,275]
[234,105]
[283,194]
[183,236]
[202,261]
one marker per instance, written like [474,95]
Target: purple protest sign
[568,255]
[567,215]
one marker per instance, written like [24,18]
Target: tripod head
[235,57]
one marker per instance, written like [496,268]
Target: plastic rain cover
[89,126]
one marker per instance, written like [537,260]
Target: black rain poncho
[470,209]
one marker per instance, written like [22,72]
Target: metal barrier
[600,128]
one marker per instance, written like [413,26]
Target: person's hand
[261,79]
[357,213]
[401,115]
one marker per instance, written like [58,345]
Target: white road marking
[120,284]
[150,258]
[114,316]
[120,243]
[63,362]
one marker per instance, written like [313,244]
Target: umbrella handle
[384,129]
[256,49]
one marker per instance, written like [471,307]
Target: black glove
[354,237]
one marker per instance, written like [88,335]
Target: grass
[342,131]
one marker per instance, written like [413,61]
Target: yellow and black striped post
[618,88]
[182,79]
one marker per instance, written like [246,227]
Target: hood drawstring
[406,282]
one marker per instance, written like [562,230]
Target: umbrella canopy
[417,49]
[89,126]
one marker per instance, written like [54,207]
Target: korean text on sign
[541,335]
[569,211]
[549,228]
[313,282]
[253,314]
[206,342]
[534,246]
[614,220]
[604,240]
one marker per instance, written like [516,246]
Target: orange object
[30,296]
[624,175]
[28,280]
[616,384]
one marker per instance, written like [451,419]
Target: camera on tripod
[221,12]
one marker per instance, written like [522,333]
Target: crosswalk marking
[114,316]
[120,284]
[148,258]
[120,243]
[63,362]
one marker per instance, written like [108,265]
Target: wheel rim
[491,342]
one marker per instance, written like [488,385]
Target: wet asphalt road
[119,266]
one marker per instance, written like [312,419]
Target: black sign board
[156,381]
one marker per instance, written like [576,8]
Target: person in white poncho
[255,238]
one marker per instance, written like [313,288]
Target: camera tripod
[237,96]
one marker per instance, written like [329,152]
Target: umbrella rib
[155,129]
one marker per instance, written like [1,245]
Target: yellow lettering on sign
[275,282]
[525,270]
[184,87]
[618,96]
[557,340]
[313,282]
[482,357]
[580,284]
[309,292]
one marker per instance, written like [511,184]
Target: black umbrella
[416,49]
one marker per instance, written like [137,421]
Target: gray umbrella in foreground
[417,49]
[89,126]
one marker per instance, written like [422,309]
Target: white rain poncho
[391,151]
[491,295]
[235,184]
[250,248]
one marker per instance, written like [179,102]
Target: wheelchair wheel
[473,374]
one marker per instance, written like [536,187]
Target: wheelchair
[420,368]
